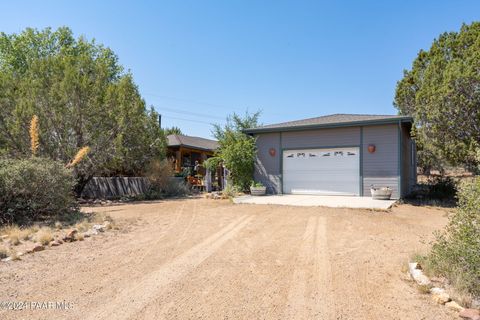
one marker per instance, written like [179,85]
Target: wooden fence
[115,187]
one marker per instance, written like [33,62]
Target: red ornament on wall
[272,152]
[371,148]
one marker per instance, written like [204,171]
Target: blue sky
[197,61]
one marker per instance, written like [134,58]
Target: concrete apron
[316,201]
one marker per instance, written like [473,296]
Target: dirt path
[205,259]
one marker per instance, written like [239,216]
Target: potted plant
[257,189]
[381,193]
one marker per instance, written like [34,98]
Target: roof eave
[191,147]
[331,125]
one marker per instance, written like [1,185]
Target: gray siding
[267,168]
[381,167]
[349,136]
[409,172]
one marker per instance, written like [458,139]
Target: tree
[236,149]
[173,130]
[82,97]
[441,92]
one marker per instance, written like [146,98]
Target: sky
[198,61]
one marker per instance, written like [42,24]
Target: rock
[417,274]
[70,236]
[7,259]
[439,295]
[98,227]
[437,290]
[35,248]
[55,243]
[471,314]
[454,306]
[441,298]
[476,303]
[90,233]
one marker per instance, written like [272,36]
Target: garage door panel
[332,171]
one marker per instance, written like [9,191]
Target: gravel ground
[211,259]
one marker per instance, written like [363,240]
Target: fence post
[208,180]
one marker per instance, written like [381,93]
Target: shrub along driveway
[209,259]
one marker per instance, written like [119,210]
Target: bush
[437,188]
[34,188]
[442,188]
[456,252]
[239,155]
[231,190]
[162,182]
[159,173]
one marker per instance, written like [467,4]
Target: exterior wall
[409,166]
[336,137]
[381,167]
[267,168]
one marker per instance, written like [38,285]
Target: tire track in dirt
[133,299]
[186,230]
[323,302]
[251,246]
[296,304]
[309,299]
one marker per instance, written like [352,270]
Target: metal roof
[177,140]
[333,120]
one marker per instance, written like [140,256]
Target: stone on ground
[70,236]
[470,314]
[452,305]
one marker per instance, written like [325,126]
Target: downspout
[280,154]
[361,162]
[400,159]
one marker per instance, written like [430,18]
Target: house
[339,154]
[185,150]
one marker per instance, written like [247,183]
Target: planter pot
[383,193]
[258,191]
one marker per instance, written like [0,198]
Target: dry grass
[3,252]
[79,237]
[58,225]
[14,255]
[44,236]
[424,289]
[82,226]
[14,239]
[15,234]
[101,217]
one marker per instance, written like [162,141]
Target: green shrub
[256,184]
[456,252]
[439,188]
[231,190]
[34,188]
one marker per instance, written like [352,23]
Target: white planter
[258,191]
[383,193]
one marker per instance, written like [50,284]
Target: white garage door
[333,171]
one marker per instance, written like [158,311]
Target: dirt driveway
[206,259]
